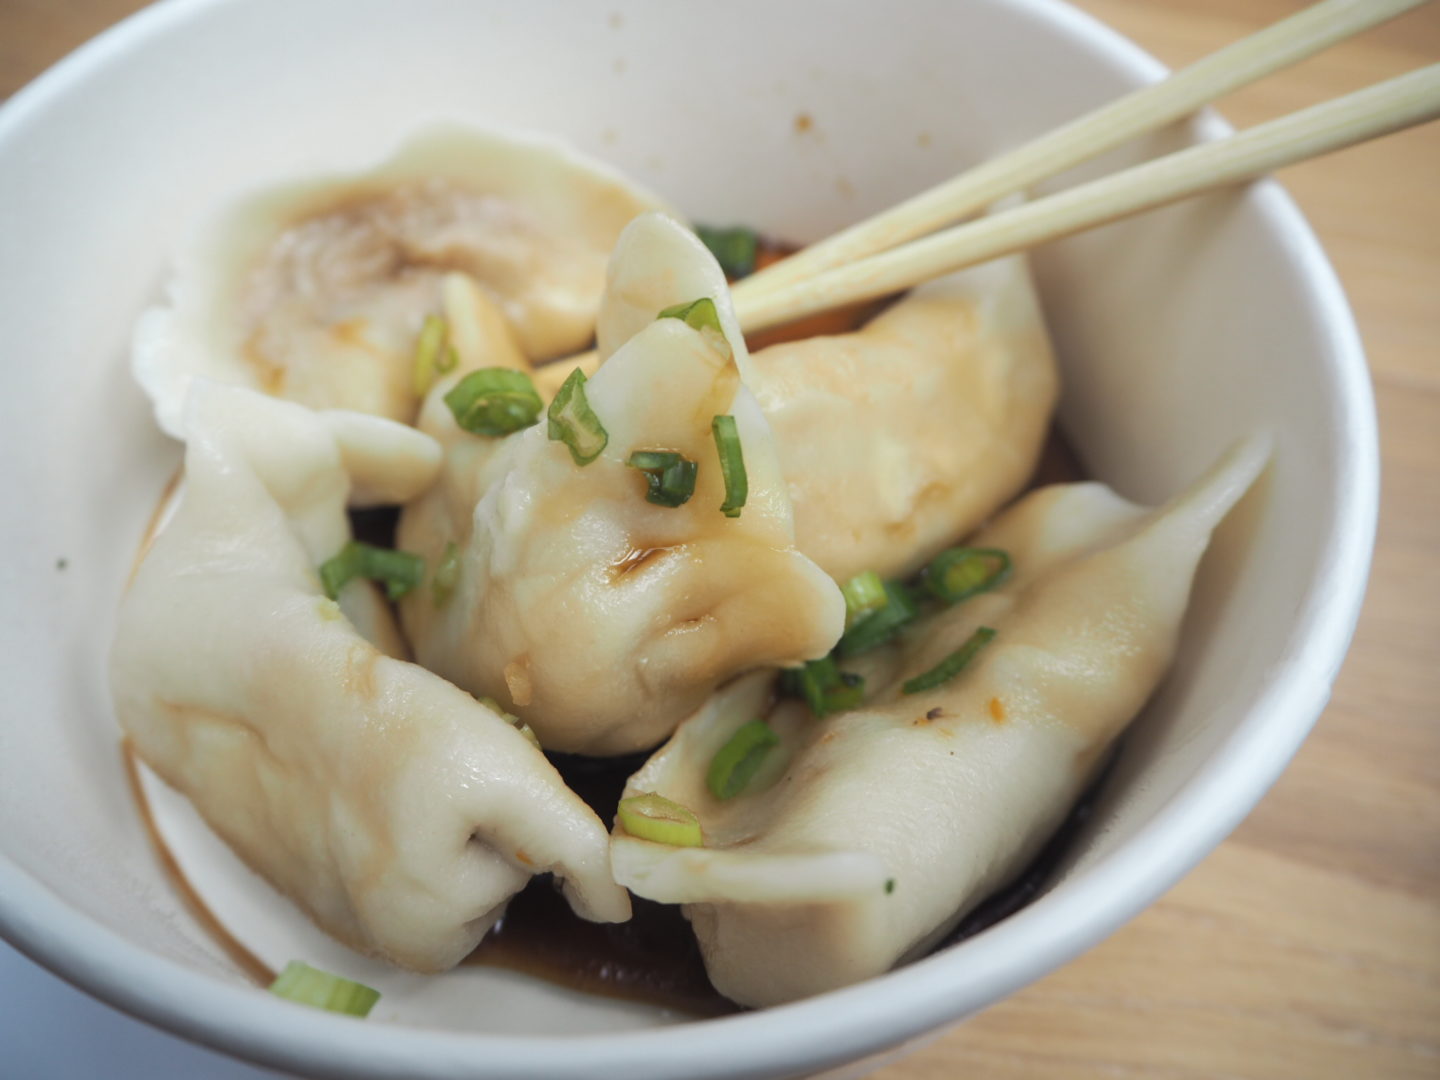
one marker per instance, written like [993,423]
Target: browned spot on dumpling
[803,122]
[997,710]
[517,680]
[521,855]
[269,375]
[935,713]
[692,623]
[360,674]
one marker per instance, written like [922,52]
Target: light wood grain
[1308,945]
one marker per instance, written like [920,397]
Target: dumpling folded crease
[400,813]
[598,616]
[868,834]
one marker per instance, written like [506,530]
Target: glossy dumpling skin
[867,835]
[916,428]
[598,617]
[396,810]
[316,291]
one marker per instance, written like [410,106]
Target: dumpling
[914,429]
[598,616]
[397,811]
[865,836]
[917,427]
[316,291]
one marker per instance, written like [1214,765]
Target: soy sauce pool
[654,958]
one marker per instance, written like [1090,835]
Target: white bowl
[1178,332]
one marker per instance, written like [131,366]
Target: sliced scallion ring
[825,688]
[654,817]
[697,314]
[734,248]
[735,764]
[401,571]
[732,464]
[702,315]
[669,477]
[952,665]
[434,355]
[881,624]
[574,423]
[959,573]
[311,986]
[447,575]
[513,720]
[863,594]
[494,401]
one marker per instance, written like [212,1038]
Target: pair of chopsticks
[900,247]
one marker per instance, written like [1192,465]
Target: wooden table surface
[1308,945]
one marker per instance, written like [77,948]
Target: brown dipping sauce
[654,958]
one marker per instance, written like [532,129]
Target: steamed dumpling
[397,811]
[601,618]
[868,834]
[316,291]
[916,428]
[910,431]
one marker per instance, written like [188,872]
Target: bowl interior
[1178,333]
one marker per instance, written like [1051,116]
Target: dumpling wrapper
[396,810]
[867,835]
[914,429]
[601,618]
[316,291]
[906,433]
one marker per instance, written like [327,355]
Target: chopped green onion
[494,401]
[732,464]
[654,817]
[669,477]
[399,570]
[863,594]
[574,423]
[434,355]
[824,686]
[696,314]
[889,885]
[881,624]
[513,720]
[734,248]
[736,763]
[447,575]
[703,316]
[960,572]
[311,986]
[952,665]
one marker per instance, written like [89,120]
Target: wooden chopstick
[1366,114]
[782,292]
[1278,46]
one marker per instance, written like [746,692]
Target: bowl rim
[850,1023]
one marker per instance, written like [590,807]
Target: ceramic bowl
[1178,332]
